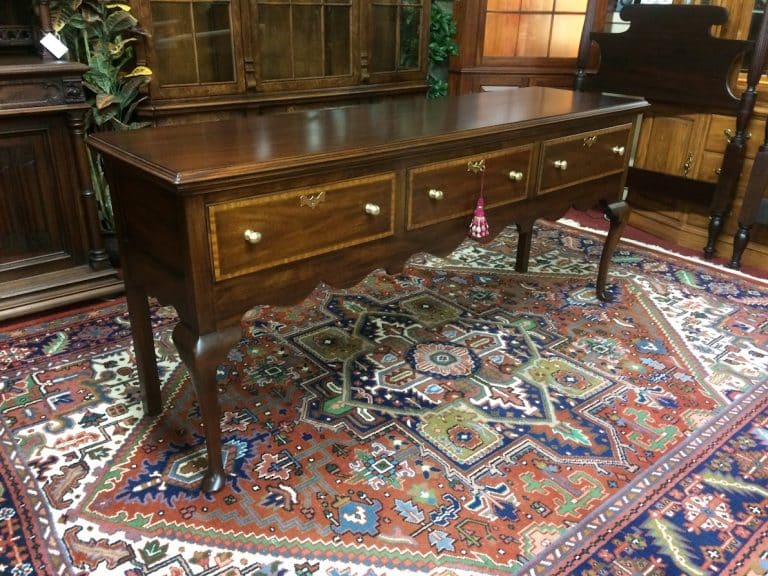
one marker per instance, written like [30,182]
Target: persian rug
[456,419]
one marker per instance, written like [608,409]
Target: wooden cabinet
[223,58]
[51,253]
[696,142]
[518,43]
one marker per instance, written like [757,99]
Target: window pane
[384,32]
[214,42]
[504,5]
[337,50]
[303,38]
[566,32]
[274,29]
[537,6]
[571,6]
[410,24]
[174,43]
[307,42]
[533,39]
[500,35]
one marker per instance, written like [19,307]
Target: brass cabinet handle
[729,135]
[435,194]
[515,175]
[561,164]
[372,209]
[687,164]
[619,150]
[252,237]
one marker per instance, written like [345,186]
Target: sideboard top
[195,153]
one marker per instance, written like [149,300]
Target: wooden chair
[668,56]
[754,207]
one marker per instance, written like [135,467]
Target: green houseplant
[101,34]
[441,46]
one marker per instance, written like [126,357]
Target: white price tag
[54,45]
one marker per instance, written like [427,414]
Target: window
[533,28]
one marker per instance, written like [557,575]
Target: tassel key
[478,229]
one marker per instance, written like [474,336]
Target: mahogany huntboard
[218,217]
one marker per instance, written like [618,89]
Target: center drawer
[585,156]
[443,190]
[260,232]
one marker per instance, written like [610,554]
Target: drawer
[18,94]
[586,156]
[444,190]
[722,127]
[257,233]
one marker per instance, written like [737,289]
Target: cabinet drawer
[721,128]
[444,190]
[256,233]
[586,156]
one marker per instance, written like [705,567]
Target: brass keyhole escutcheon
[476,166]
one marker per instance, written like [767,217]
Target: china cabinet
[221,58]
[51,251]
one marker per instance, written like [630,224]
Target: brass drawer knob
[252,237]
[372,209]
[435,194]
[515,175]
[561,164]
[618,150]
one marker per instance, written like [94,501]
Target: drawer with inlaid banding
[586,156]
[255,233]
[449,189]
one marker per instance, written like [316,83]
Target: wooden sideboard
[215,218]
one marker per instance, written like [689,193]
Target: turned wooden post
[733,161]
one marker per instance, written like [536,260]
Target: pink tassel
[478,229]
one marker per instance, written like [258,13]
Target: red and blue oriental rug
[457,419]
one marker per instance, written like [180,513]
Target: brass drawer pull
[435,194]
[561,164]
[252,237]
[618,150]
[515,175]
[687,164]
[372,209]
[729,135]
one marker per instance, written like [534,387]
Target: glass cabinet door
[205,48]
[303,40]
[395,29]
[193,46]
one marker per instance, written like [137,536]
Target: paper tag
[54,45]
